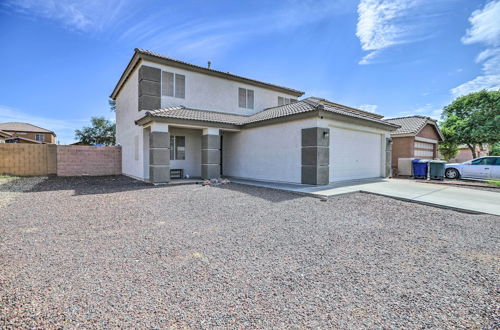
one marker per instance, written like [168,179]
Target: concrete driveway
[466,199]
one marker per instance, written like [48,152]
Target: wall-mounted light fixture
[326,134]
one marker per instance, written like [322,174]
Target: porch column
[159,153]
[388,157]
[316,156]
[210,153]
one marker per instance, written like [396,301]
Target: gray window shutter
[180,86]
[249,99]
[242,97]
[167,86]
[280,100]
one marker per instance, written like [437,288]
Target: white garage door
[354,154]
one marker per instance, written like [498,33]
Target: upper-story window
[245,98]
[285,100]
[173,84]
[39,137]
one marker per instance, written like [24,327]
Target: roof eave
[138,56]
[149,118]
[357,120]
[126,73]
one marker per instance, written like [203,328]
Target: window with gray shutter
[167,86]
[172,147]
[242,97]
[249,99]
[285,100]
[177,147]
[180,147]
[245,98]
[180,86]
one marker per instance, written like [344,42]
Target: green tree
[448,148]
[473,119]
[112,104]
[495,149]
[102,131]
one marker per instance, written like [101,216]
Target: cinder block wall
[27,159]
[46,159]
[87,160]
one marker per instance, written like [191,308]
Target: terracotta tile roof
[410,124]
[152,56]
[227,74]
[306,105]
[23,127]
[181,112]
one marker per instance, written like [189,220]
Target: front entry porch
[182,152]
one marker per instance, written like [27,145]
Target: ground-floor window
[177,147]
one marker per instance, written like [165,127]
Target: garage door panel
[354,154]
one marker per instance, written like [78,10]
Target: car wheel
[451,173]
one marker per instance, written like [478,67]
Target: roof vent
[209,64]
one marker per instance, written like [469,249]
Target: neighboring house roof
[309,105]
[23,127]
[359,111]
[412,125]
[141,54]
[5,134]
[18,138]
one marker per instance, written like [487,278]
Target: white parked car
[479,168]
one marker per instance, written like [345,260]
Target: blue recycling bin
[419,168]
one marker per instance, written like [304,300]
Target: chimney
[209,64]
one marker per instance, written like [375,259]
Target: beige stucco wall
[128,134]
[217,94]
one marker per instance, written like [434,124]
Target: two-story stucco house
[178,119]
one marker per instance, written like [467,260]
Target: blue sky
[61,59]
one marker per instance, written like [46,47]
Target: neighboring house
[18,139]
[172,116]
[464,153]
[418,137]
[27,132]
[4,136]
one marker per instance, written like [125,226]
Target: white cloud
[485,30]
[385,23]
[368,107]
[64,129]
[488,82]
[87,16]
[205,37]
[428,110]
[132,22]
[485,26]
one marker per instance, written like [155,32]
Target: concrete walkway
[464,199]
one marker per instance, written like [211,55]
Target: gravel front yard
[111,252]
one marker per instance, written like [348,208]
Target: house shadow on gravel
[96,185]
[92,185]
[268,194]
